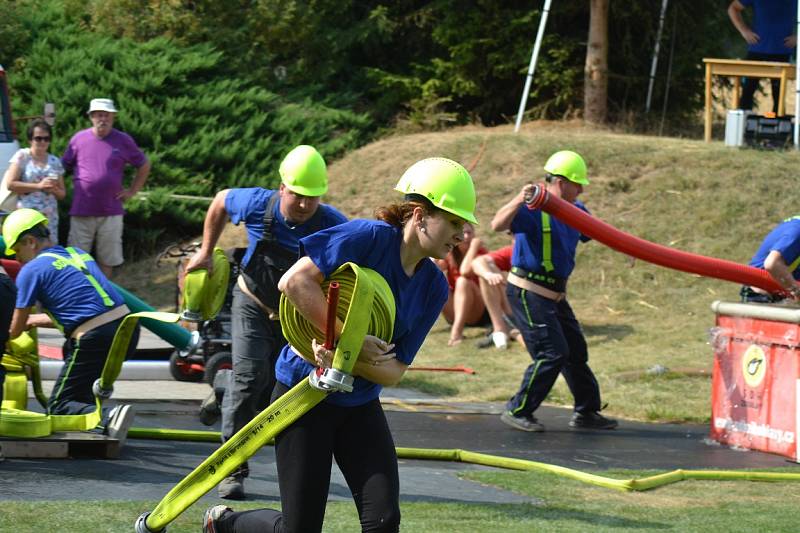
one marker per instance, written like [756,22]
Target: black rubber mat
[147,470]
[633,445]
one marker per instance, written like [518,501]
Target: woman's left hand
[322,356]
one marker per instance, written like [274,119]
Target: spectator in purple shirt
[97,157]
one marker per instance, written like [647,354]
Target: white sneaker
[500,340]
[211,516]
[119,422]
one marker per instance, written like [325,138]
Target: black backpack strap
[269,218]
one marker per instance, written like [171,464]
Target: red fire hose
[648,251]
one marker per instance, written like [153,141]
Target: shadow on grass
[592,520]
[606,332]
[421,384]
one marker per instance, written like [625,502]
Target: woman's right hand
[48,185]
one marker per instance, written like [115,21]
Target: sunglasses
[41,139]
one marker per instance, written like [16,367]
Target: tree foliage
[439,61]
[202,128]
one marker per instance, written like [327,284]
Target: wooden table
[752,69]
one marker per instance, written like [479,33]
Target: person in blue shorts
[275,220]
[771,38]
[779,255]
[78,300]
[542,260]
[439,199]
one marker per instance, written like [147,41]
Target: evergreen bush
[202,128]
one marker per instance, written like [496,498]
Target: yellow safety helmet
[567,164]
[17,223]
[303,171]
[444,182]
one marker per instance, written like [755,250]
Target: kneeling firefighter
[275,221]
[79,300]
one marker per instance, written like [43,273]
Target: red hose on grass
[647,251]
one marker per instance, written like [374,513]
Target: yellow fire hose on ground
[366,306]
[15,421]
[509,463]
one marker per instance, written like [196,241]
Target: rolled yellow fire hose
[366,306]
[204,294]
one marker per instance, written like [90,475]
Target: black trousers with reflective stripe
[556,344]
[83,363]
[360,441]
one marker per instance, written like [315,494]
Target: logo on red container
[754,366]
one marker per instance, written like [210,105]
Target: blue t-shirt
[66,293]
[785,239]
[418,299]
[773,21]
[248,205]
[527,227]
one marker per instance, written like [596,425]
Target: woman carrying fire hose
[439,199]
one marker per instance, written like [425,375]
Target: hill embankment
[701,198]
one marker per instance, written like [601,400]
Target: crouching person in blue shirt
[80,301]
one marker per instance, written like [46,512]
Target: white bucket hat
[102,104]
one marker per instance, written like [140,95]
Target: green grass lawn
[557,504]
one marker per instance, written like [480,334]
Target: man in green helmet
[275,221]
[542,260]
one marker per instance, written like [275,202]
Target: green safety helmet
[444,182]
[303,171]
[567,164]
[18,223]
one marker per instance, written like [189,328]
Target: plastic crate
[768,132]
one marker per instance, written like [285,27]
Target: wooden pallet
[76,444]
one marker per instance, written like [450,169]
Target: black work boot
[232,487]
[209,410]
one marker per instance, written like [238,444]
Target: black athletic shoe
[522,423]
[592,420]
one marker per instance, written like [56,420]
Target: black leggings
[360,440]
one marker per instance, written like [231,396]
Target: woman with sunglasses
[37,176]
